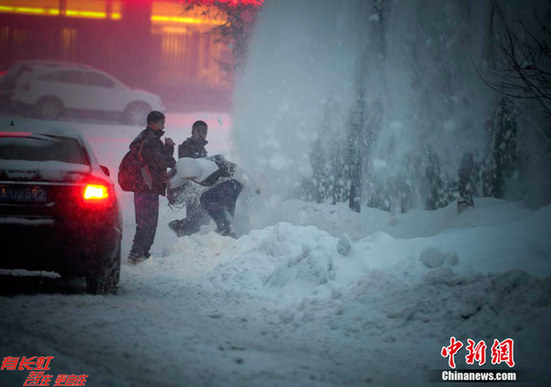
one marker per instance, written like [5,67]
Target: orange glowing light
[95,192]
[185,20]
[55,12]
[36,11]
[103,15]
[90,14]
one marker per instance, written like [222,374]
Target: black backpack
[131,170]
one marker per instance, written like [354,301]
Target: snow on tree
[376,102]
[504,157]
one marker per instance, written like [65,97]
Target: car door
[69,87]
[104,92]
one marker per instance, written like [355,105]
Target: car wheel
[48,109]
[136,114]
[106,279]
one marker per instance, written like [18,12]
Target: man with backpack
[196,216]
[225,181]
[153,158]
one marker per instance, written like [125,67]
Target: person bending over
[225,181]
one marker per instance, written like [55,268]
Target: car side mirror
[105,170]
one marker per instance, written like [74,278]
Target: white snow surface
[308,295]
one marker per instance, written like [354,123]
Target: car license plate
[22,194]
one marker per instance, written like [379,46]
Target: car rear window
[42,148]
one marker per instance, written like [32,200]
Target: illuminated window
[69,42]
[173,48]
[188,52]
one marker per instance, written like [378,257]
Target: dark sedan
[58,209]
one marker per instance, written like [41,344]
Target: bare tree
[523,63]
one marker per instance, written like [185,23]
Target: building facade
[148,44]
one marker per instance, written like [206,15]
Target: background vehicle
[8,78]
[52,91]
[58,209]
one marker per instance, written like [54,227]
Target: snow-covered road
[313,295]
[213,329]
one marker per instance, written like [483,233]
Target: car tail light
[93,192]
[94,201]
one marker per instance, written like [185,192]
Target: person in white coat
[226,181]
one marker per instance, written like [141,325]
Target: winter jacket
[192,147]
[157,157]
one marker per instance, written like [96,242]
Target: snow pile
[286,261]
[279,261]
[336,219]
[432,258]
[462,281]
[290,262]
